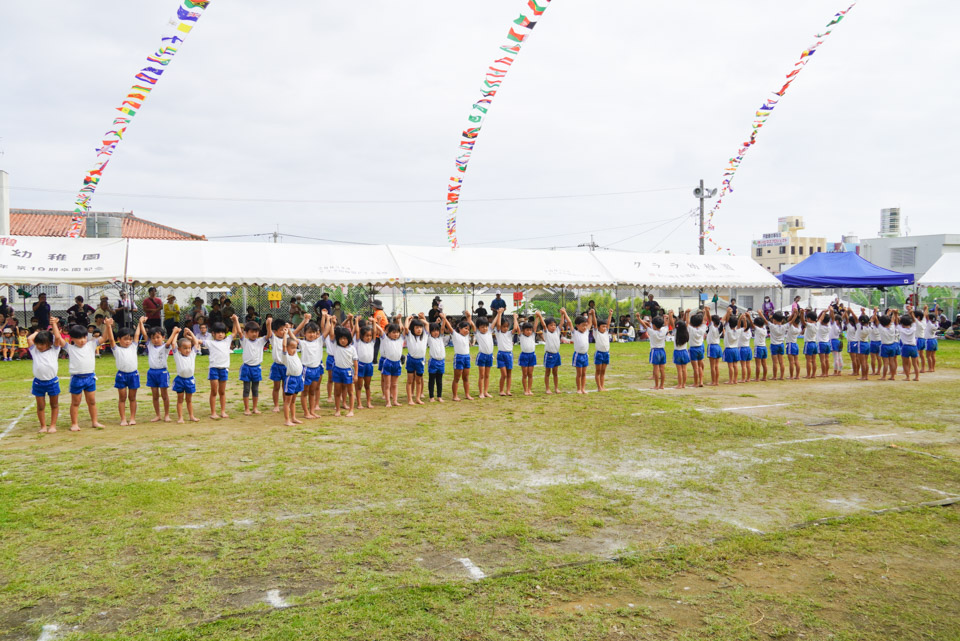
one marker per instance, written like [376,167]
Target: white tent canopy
[944,273]
[89,261]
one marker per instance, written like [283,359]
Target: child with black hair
[528,353]
[158,375]
[875,344]
[311,354]
[461,355]
[184,383]
[344,369]
[778,332]
[908,351]
[551,348]
[823,341]
[391,349]
[438,357]
[276,333]
[794,331]
[504,333]
[811,347]
[251,371]
[364,347]
[657,333]
[731,345]
[714,351]
[327,327]
[44,354]
[601,342]
[931,345]
[127,381]
[414,328]
[292,379]
[484,338]
[850,326]
[760,347]
[864,348]
[581,351]
[681,346]
[889,343]
[83,381]
[745,325]
[219,347]
[697,331]
[836,345]
[918,320]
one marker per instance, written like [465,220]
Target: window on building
[783,250]
[819,249]
[793,251]
[801,251]
[903,257]
[759,252]
[49,290]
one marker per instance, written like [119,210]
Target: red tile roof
[42,222]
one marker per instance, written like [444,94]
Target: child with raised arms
[391,350]
[328,327]
[794,331]
[292,379]
[889,343]
[745,326]
[363,333]
[850,325]
[698,331]
[218,345]
[864,348]
[909,353]
[344,369]
[551,348]
[504,333]
[127,381]
[158,374]
[251,371]
[657,333]
[931,344]
[811,347]
[44,352]
[484,338]
[461,356]
[83,381]
[416,353]
[276,332]
[823,341]
[438,357]
[528,353]
[760,347]
[836,345]
[311,355]
[601,342]
[731,345]
[714,351]
[184,383]
[581,351]
[778,333]
[875,344]
[918,320]
[681,347]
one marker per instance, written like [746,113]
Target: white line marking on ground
[283,517]
[751,407]
[273,598]
[48,632]
[742,526]
[934,490]
[475,573]
[830,438]
[13,422]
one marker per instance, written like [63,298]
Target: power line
[574,233]
[646,231]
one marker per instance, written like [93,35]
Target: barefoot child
[528,353]
[714,351]
[810,346]
[731,345]
[344,369]
[416,353]
[83,382]
[311,353]
[760,347]
[276,332]
[504,333]
[391,349]
[438,357]
[219,347]
[889,343]
[823,341]
[364,347]
[484,338]
[601,341]
[681,347]
[158,375]
[657,333]
[292,379]
[461,356]
[551,348]
[251,371]
[184,384]
[909,353]
[746,354]
[127,381]
[44,355]
[581,351]
[931,345]
[698,331]
[836,345]
[778,334]
[327,328]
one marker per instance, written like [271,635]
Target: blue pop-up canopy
[842,269]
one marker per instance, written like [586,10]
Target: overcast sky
[311,101]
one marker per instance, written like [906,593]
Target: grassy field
[631,514]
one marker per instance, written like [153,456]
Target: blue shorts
[414,365]
[910,351]
[760,352]
[658,356]
[776,350]
[696,353]
[218,374]
[836,345]
[731,355]
[278,372]
[793,349]
[888,351]
[853,347]
[437,366]
[581,360]
[344,375]
[83,383]
[379,364]
[390,368]
[823,348]
[504,360]
[461,361]
[921,344]
[681,356]
[484,360]
[528,359]
[810,349]
[746,354]
[875,347]
[601,358]
[312,374]
[46,388]
[932,344]
[364,370]
[898,348]
[184,385]
[127,380]
[331,361]
[292,384]
[252,373]
[158,378]
[714,351]
[551,360]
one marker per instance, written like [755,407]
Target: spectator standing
[197,310]
[123,315]
[497,304]
[104,308]
[433,316]
[481,311]
[41,309]
[733,306]
[795,305]
[296,311]
[80,311]
[171,315]
[338,312]
[380,319]
[226,308]
[651,307]
[152,308]
[767,307]
[5,309]
[325,304]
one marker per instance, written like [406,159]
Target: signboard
[780,241]
[35,260]
[274,298]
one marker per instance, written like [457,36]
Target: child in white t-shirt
[44,354]
[83,381]
[251,371]
[581,350]
[438,357]
[601,340]
[461,355]
[344,370]
[551,348]
[276,332]
[184,383]
[415,330]
[657,333]
[363,345]
[158,375]
[528,353]
[311,354]
[391,351]
[504,332]
[484,338]
[127,382]
[219,347]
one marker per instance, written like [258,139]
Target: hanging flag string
[188,13]
[760,118]
[496,73]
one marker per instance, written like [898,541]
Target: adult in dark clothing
[380,319]
[5,309]
[153,308]
[651,307]
[481,311]
[433,315]
[323,304]
[80,311]
[41,309]
[125,309]
[497,304]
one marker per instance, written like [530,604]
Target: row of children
[874,343]
[298,364]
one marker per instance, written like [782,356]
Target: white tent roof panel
[944,273]
[685,271]
[39,260]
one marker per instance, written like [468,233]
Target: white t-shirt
[311,352]
[834,331]
[293,364]
[864,333]
[330,344]
[921,326]
[745,336]
[581,341]
[908,334]
[485,342]
[219,352]
[874,333]
[461,344]
[932,328]
[658,337]
[528,344]
[760,336]
[551,341]
[888,334]
[276,346]
[343,357]
[697,335]
[713,335]
[186,365]
[391,349]
[364,351]
[416,345]
[82,359]
[253,350]
[45,364]
[504,341]
[777,334]
[823,333]
[157,355]
[438,350]
[793,332]
[810,332]
[731,337]
[126,357]
[601,340]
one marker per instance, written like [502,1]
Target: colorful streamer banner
[496,73]
[762,115]
[188,13]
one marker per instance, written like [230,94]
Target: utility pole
[591,245]
[276,234]
[701,217]
[702,193]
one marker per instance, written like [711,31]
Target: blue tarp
[841,269]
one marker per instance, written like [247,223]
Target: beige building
[780,250]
